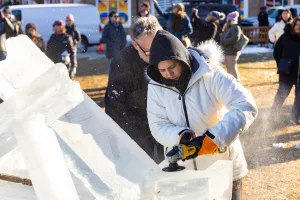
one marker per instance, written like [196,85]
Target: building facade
[250,8]
[247,8]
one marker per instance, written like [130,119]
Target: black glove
[186,136]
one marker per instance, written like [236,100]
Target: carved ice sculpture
[104,162]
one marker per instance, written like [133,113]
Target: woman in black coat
[209,29]
[60,42]
[287,50]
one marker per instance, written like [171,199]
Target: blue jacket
[185,24]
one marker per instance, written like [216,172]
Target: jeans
[2,56]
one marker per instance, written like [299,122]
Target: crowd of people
[61,47]
[163,91]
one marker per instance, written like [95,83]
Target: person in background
[114,37]
[288,48]
[178,22]
[126,93]
[231,35]
[144,9]
[278,29]
[209,29]
[263,18]
[31,32]
[3,51]
[186,98]
[5,27]
[16,29]
[73,31]
[60,43]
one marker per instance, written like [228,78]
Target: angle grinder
[173,157]
[184,152]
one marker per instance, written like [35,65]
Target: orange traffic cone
[100,47]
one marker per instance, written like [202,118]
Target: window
[17,14]
[273,13]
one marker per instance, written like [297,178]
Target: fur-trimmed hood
[212,52]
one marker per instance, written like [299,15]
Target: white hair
[144,26]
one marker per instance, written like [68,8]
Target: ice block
[29,112]
[105,163]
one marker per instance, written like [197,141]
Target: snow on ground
[254,49]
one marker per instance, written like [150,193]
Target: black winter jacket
[288,46]
[14,30]
[57,44]
[39,42]
[74,33]
[115,39]
[126,99]
[6,27]
[205,30]
[263,18]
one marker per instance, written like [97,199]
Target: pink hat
[70,17]
[233,16]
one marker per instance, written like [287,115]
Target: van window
[273,13]
[17,14]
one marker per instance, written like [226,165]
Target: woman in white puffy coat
[278,29]
[188,95]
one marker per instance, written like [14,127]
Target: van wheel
[83,45]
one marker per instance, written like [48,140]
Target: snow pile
[254,49]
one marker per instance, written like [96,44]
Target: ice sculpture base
[215,182]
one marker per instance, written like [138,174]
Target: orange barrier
[101,47]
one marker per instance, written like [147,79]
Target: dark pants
[285,87]
[2,55]
[109,60]
[237,190]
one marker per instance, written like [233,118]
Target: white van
[86,16]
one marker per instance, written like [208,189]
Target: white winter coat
[209,90]
[276,31]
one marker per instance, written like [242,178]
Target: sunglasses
[147,53]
